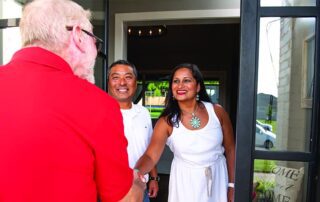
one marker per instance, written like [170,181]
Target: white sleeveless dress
[198,170]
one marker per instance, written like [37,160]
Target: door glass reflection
[279,181]
[285,83]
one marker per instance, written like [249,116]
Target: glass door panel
[10,9]
[287,3]
[279,181]
[285,83]
[10,42]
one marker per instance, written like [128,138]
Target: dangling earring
[197,97]
[173,97]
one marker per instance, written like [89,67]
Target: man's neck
[125,105]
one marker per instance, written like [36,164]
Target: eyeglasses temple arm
[102,55]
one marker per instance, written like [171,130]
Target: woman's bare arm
[153,153]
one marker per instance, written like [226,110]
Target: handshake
[136,193]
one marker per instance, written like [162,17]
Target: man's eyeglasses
[98,41]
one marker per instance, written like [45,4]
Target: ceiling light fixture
[147,31]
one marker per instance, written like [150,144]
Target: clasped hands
[139,185]
[139,180]
[136,193]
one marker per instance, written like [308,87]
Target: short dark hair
[123,62]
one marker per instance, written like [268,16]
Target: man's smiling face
[122,83]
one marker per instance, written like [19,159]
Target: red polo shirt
[61,138]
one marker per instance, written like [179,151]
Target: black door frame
[106,45]
[245,151]
[251,12]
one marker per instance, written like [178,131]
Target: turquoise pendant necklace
[195,121]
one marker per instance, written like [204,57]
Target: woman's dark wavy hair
[172,111]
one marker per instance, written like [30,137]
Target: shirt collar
[134,110]
[43,57]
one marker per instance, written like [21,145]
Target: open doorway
[213,47]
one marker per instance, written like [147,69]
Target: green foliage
[151,109]
[264,166]
[151,86]
[157,92]
[273,123]
[265,190]
[269,110]
[265,185]
[212,83]
[158,87]
[154,111]
[155,115]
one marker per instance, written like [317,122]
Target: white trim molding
[307,71]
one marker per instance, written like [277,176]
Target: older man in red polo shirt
[61,137]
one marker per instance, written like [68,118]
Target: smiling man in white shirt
[122,85]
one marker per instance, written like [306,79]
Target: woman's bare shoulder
[163,125]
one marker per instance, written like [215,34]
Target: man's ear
[77,38]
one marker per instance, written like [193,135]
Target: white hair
[43,22]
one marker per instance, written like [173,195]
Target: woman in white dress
[200,136]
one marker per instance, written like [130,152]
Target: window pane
[10,42]
[287,3]
[285,83]
[154,96]
[279,181]
[212,88]
[10,9]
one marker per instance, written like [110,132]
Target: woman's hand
[230,194]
